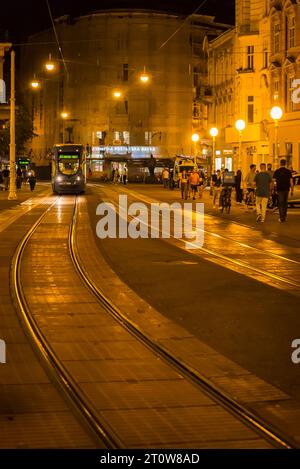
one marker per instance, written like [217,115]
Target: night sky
[22,18]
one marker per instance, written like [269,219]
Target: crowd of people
[23,176]
[259,189]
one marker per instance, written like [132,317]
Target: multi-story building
[252,68]
[4,105]
[106,52]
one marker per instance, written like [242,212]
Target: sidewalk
[22,195]
[238,213]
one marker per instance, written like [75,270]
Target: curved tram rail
[72,391]
[54,367]
[266,430]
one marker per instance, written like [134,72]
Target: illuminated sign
[68,157]
[123,149]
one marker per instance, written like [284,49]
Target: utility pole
[12,146]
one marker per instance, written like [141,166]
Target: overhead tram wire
[182,25]
[56,37]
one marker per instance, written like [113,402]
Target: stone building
[251,68]
[105,52]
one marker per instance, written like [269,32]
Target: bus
[68,169]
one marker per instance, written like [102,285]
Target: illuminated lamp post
[276,114]
[195,139]
[213,133]
[240,126]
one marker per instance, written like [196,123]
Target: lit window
[250,57]
[276,38]
[250,109]
[291,33]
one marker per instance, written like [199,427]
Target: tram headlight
[59,178]
[78,178]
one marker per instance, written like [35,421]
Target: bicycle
[250,198]
[225,199]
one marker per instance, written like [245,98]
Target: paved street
[230,319]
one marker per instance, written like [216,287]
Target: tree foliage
[24,132]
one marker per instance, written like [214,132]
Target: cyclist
[250,185]
[228,182]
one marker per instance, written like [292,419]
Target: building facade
[252,68]
[106,52]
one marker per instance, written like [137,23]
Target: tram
[68,169]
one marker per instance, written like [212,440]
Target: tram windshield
[68,164]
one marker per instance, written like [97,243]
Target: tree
[24,132]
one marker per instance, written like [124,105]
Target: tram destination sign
[68,157]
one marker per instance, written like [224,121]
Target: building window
[126,137]
[125,72]
[148,138]
[290,90]
[276,38]
[291,33]
[250,57]
[265,58]
[250,109]
[276,89]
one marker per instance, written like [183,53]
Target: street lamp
[12,146]
[117,94]
[195,139]
[213,133]
[276,114]
[35,84]
[50,65]
[64,115]
[144,77]
[240,126]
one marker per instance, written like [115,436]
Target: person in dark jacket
[284,184]
[238,187]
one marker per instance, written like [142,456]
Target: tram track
[294,284]
[58,373]
[241,412]
[71,390]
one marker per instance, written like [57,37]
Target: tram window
[68,166]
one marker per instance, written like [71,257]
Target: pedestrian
[184,185]
[165,178]
[284,184]
[5,176]
[116,176]
[124,176]
[249,183]
[238,187]
[201,183]
[263,184]
[194,182]
[24,175]
[32,180]
[216,183]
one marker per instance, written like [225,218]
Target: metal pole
[240,150]
[213,155]
[276,145]
[12,146]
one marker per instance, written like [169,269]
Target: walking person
[194,182]
[201,183]
[32,180]
[184,185]
[165,178]
[284,184]
[249,183]
[124,176]
[238,187]
[216,183]
[5,176]
[263,184]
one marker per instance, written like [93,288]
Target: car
[295,198]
